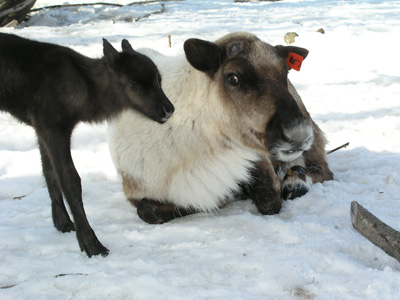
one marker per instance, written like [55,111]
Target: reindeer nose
[296,138]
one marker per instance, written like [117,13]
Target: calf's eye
[233,80]
[134,85]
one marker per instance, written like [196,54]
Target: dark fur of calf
[52,88]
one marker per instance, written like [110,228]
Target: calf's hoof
[61,219]
[91,245]
[64,226]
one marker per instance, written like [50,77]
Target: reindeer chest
[205,181]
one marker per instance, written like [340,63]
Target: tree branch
[152,13]
[338,148]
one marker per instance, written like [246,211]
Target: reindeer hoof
[296,183]
[154,212]
[270,208]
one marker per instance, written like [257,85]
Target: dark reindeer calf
[52,88]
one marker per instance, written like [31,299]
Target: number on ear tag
[294,61]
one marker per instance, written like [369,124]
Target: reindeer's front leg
[265,188]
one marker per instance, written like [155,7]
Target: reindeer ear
[285,50]
[126,47]
[294,55]
[109,51]
[203,55]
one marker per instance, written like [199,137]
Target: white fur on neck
[211,181]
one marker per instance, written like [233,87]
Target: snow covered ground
[350,83]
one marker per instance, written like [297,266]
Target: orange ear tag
[294,61]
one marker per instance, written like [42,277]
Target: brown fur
[315,159]
[234,104]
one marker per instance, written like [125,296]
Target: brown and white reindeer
[238,123]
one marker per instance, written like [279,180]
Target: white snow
[350,83]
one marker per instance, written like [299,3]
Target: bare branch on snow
[338,148]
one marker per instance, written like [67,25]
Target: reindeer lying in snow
[52,88]
[238,120]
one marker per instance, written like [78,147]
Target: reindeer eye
[233,80]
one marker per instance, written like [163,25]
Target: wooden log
[14,10]
[376,231]
[76,5]
[99,3]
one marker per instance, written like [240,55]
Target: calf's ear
[203,55]
[109,51]
[126,47]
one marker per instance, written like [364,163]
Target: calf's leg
[60,215]
[57,143]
